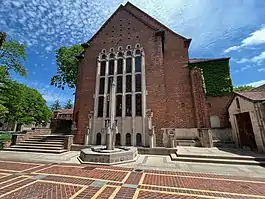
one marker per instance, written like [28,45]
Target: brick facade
[170,94]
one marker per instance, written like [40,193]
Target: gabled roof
[252,95]
[205,60]
[121,7]
[259,88]
[159,23]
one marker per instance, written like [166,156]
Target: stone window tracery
[125,69]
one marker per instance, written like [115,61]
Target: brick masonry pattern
[65,181]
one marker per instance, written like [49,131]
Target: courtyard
[61,176]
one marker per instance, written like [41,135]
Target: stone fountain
[109,154]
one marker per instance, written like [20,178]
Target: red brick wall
[218,106]
[167,80]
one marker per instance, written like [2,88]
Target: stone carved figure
[88,128]
[151,128]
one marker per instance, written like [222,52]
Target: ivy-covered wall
[216,75]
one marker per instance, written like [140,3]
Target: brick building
[155,88]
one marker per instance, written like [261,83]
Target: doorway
[138,139]
[98,142]
[118,139]
[128,139]
[245,129]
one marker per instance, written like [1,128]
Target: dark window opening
[237,103]
[107,111]
[111,67]
[100,106]
[128,83]
[138,64]
[119,84]
[128,65]
[138,104]
[118,139]
[102,68]
[128,139]
[120,54]
[101,85]
[112,56]
[138,52]
[120,66]
[129,53]
[109,83]
[138,83]
[103,57]
[138,139]
[118,105]
[98,141]
[128,102]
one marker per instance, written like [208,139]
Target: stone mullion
[105,91]
[143,91]
[133,102]
[97,90]
[123,102]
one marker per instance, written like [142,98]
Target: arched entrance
[98,142]
[128,139]
[118,139]
[138,139]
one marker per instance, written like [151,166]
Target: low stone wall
[219,134]
[156,150]
[222,134]
[17,138]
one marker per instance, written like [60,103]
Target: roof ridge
[129,3]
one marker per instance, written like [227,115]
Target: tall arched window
[98,141]
[124,68]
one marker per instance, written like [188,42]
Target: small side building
[61,121]
[247,117]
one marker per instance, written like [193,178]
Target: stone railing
[19,137]
[68,141]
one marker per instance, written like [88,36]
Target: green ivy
[216,75]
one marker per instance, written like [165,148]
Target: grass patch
[5,136]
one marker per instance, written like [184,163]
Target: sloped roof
[259,88]
[64,111]
[137,17]
[252,95]
[204,60]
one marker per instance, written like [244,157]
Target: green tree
[2,38]
[67,66]
[68,104]
[12,54]
[243,88]
[56,105]
[25,105]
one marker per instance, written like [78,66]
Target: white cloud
[261,70]
[245,67]
[255,38]
[243,60]
[257,83]
[231,49]
[259,57]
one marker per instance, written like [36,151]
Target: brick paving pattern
[62,181]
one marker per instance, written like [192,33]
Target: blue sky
[217,28]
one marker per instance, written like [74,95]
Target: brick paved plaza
[32,181]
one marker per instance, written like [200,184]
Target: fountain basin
[100,155]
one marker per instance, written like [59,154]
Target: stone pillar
[87,136]
[133,102]
[205,137]
[68,141]
[171,137]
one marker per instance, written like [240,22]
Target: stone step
[220,156]
[37,147]
[186,142]
[42,144]
[46,138]
[174,157]
[35,150]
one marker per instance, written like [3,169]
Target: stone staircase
[219,158]
[41,144]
